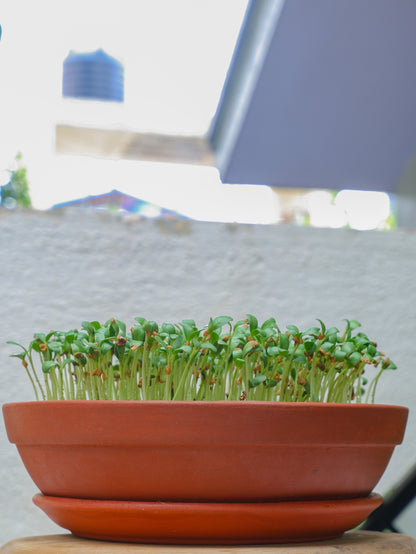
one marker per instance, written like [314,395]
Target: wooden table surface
[354,542]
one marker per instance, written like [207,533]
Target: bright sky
[175,54]
[175,57]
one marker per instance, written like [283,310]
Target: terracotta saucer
[207,523]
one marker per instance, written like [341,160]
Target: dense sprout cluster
[244,360]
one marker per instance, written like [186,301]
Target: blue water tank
[94,76]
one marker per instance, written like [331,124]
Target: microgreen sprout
[222,361]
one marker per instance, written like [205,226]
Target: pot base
[207,523]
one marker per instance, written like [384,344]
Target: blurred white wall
[60,268]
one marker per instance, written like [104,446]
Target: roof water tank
[93,75]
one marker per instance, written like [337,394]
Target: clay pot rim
[317,405]
[239,423]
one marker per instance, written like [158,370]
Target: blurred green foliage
[16,192]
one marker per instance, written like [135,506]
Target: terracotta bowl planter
[198,453]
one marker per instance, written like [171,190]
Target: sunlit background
[175,57]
